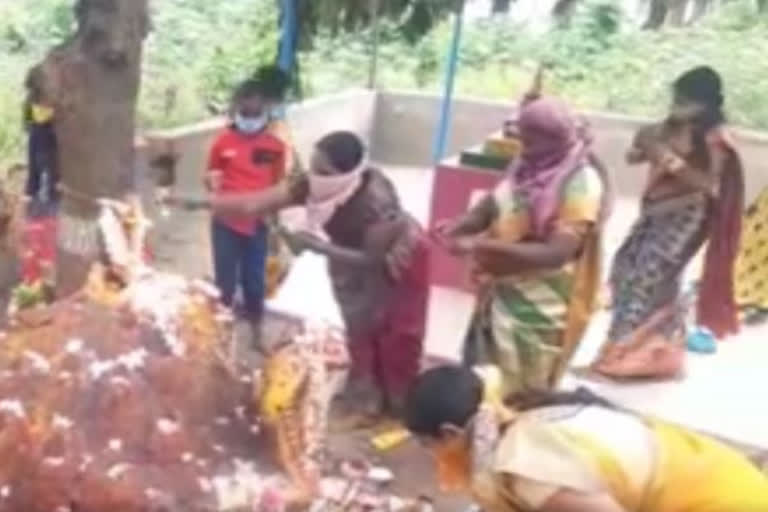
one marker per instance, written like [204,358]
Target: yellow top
[645,465]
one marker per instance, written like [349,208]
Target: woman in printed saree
[571,452]
[534,246]
[695,194]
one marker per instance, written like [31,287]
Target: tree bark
[657,15]
[677,12]
[563,9]
[93,82]
[700,9]
[500,6]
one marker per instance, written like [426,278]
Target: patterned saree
[530,325]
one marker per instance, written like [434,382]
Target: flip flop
[701,341]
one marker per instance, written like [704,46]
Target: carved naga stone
[299,382]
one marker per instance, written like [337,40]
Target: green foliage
[198,50]
[412,18]
[599,62]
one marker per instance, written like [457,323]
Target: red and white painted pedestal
[456,188]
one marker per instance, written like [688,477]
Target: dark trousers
[239,258]
[42,161]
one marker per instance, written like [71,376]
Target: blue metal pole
[443,127]
[286,57]
[287,53]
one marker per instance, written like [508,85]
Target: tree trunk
[563,9]
[677,11]
[500,6]
[700,9]
[93,82]
[657,15]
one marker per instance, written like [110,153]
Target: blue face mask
[250,125]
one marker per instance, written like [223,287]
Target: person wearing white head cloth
[378,263]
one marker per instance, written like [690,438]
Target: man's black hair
[703,85]
[344,150]
[269,82]
[449,395]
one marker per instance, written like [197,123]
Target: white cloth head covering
[329,192]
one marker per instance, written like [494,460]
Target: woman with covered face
[571,452]
[534,247]
[377,260]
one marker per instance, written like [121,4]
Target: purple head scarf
[555,145]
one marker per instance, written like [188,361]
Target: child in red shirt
[246,157]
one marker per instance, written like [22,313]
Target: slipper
[701,341]
[390,439]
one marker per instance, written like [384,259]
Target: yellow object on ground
[390,439]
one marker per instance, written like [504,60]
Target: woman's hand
[399,257]
[461,245]
[301,241]
[443,232]
[672,163]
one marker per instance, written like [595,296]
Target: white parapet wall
[405,123]
[399,129]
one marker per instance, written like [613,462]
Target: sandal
[655,358]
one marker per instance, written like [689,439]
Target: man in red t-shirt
[246,157]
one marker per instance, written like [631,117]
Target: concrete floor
[720,394]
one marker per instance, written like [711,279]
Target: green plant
[198,50]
